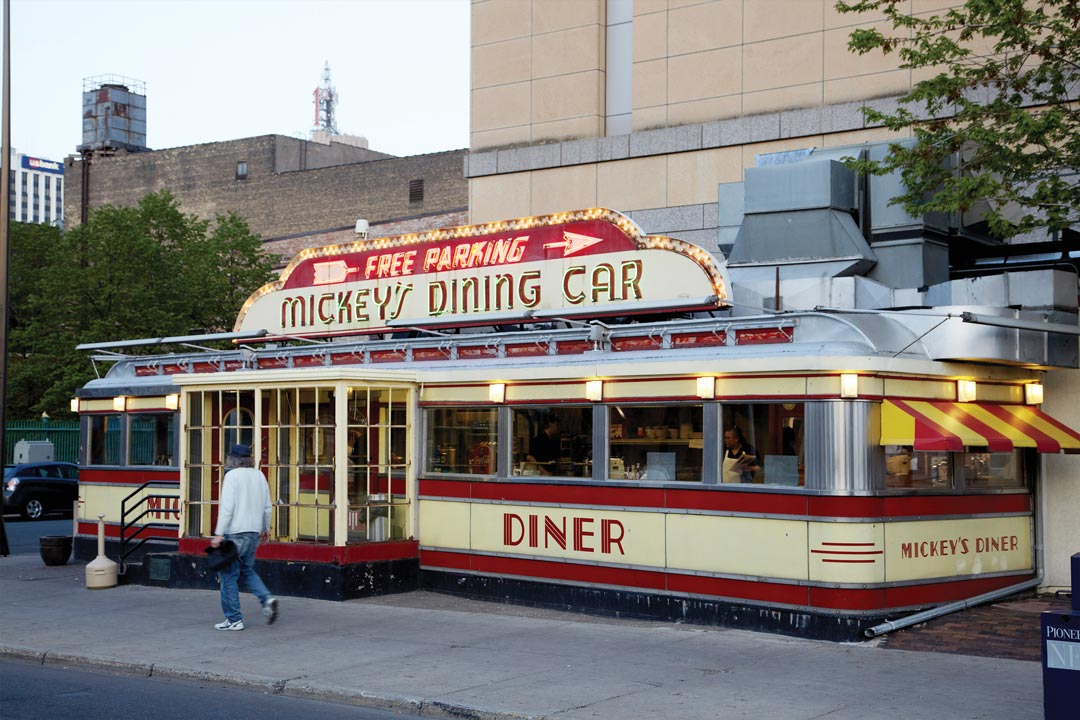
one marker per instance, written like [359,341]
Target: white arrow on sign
[574,243]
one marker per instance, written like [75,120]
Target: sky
[226,69]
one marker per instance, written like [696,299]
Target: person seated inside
[740,458]
[544,448]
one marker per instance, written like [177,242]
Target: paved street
[439,656]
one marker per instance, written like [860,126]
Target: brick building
[294,193]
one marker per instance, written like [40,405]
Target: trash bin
[1061,655]
[55,549]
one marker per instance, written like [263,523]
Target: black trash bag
[220,557]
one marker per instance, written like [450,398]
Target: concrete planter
[55,549]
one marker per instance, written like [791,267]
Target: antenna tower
[326,104]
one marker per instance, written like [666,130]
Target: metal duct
[801,213]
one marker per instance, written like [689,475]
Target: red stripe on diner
[995,441]
[578,494]
[651,580]
[909,595]
[125,476]
[907,506]
[838,560]
[541,570]
[848,552]
[870,544]
[1043,442]
[738,589]
[847,598]
[445,488]
[112,530]
[449,560]
[725,501]
[310,552]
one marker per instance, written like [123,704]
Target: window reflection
[763,443]
[152,439]
[462,440]
[993,470]
[906,468]
[555,441]
[657,444]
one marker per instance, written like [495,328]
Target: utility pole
[5,234]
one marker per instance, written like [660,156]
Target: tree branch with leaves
[1000,98]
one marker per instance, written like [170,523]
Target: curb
[295,687]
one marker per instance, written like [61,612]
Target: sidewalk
[438,656]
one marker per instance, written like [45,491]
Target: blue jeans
[242,569]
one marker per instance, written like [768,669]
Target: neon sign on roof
[590,261]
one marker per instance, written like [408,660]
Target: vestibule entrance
[337,455]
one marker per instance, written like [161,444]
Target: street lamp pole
[5,227]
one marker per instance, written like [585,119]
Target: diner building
[566,411]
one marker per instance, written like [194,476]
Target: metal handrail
[125,524]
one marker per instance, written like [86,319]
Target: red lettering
[607,539]
[906,550]
[964,544]
[509,522]
[553,531]
[1014,542]
[580,534]
[534,520]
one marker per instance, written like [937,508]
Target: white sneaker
[230,625]
[270,610]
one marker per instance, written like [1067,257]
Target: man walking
[244,520]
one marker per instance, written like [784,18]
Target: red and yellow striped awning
[952,426]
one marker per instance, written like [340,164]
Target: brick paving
[1007,629]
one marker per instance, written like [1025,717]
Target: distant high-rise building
[37,190]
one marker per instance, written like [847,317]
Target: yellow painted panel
[314,522]
[949,548]
[1001,393]
[456,393]
[583,535]
[846,552]
[444,524]
[741,546]
[928,389]
[98,405]
[660,388]
[555,391]
[765,386]
[146,403]
[106,499]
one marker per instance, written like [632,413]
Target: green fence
[63,434]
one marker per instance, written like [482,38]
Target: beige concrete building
[652,107]
[647,105]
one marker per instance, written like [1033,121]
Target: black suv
[35,489]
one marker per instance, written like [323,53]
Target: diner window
[908,468]
[762,443]
[555,441]
[152,439]
[241,170]
[377,441]
[993,470]
[105,440]
[462,440]
[655,443]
